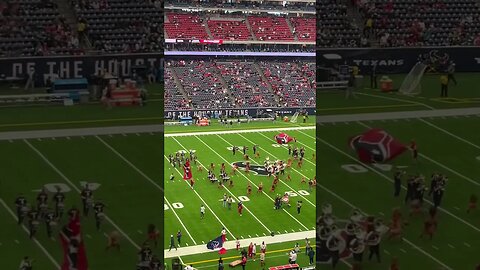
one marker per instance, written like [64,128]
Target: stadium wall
[77,66]
[401,60]
[251,112]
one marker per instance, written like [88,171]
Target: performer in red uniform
[240,208]
[413,148]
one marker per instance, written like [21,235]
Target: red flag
[71,239]
[283,138]
[222,251]
[187,171]
[376,145]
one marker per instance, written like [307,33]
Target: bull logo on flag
[283,138]
[376,145]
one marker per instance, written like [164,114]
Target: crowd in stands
[398,23]
[125,26]
[213,84]
[35,27]
[245,4]
[409,23]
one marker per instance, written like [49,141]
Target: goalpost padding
[411,84]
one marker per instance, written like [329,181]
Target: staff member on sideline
[444,85]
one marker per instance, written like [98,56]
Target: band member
[333,246]
[59,201]
[373,242]
[260,188]
[99,215]
[33,221]
[21,204]
[42,202]
[357,247]
[249,190]
[50,221]
[237,244]
[26,264]
[397,182]
[87,199]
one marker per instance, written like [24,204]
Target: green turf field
[77,116]
[449,145]
[465,94]
[129,176]
[259,219]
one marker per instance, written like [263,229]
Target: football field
[259,219]
[449,145]
[123,169]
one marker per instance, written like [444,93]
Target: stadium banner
[243,112]
[77,66]
[401,60]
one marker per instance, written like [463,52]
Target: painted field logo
[256,169]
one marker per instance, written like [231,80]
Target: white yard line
[78,190]
[42,248]
[249,181]
[148,179]
[449,133]
[233,195]
[236,131]
[205,203]
[399,99]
